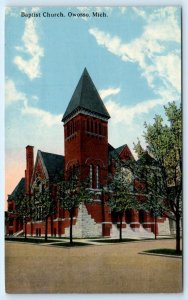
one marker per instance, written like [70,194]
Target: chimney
[29,167]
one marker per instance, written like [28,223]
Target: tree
[164,143]
[147,171]
[72,192]
[155,206]
[138,149]
[24,209]
[45,206]
[121,192]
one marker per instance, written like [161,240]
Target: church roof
[18,189]
[112,153]
[54,164]
[119,149]
[116,153]
[147,159]
[86,97]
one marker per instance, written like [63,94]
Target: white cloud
[9,12]
[122,9]
[139,11]
[34,97]
[31,47]
[127,114]
[105,9]
[113,44]
[108,92]
[169,66]
[45,117]
[128,121]
[151,50]
[12,95]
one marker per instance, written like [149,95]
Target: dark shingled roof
[146,159]
[119,149]
[18,189]
[54,164]
[86,97]
[112,153]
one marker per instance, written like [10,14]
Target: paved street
[91,269]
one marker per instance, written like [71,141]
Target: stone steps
[85,225]
[128,232]
[18,233]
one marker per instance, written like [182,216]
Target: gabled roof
[18,189]
[147,160]
[112,153]
[54,164]
[119,149]
[116,153]
[86,97]
[110,148]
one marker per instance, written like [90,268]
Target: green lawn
[74,244]
[28,240]
[115,240]
[164,251]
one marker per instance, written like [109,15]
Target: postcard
[93,138]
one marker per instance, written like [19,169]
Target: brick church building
[86,144]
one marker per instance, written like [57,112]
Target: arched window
[91,175]
[97,177]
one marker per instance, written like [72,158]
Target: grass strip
[74,244]
[164,251]
[29,240]
[115,241]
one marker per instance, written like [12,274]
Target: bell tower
[86,132]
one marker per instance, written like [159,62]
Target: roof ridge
[121,146]
[51,153]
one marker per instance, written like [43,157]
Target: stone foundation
[85,225]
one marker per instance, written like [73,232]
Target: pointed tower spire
[86,98]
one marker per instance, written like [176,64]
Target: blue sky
[133,57]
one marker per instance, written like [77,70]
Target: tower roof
[86,97]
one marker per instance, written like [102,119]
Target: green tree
[45,206]
[24,209]
[138,149]
[121,192]
[154,205]
[164,143]
[147,171]
[72,192]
